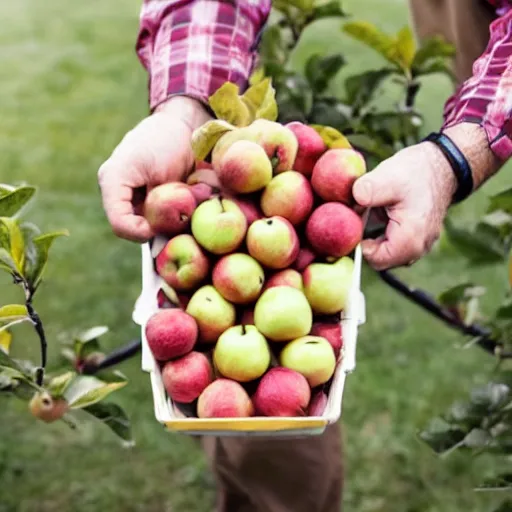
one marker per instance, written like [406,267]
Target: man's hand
[156,151]
[415,187]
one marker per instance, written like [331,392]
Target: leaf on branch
[273,51]
[5,341]
[463,300]
[370,145]
[501,201]
[260,99]
[12,202]
[320,70]
[92,334]
[85,391]
[60,383]
[305,6]
[361,88]
[405,47]
[295,97]
[328,9]
[497,483]
[42,244]
[436,66]
[442,436]
[206,136]
[371,36]
[12,247]
[12,314]
[114,417]
[332,137]
[477,438]
[491,397]
[228,106]
[434,48]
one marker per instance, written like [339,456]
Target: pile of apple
[256,270]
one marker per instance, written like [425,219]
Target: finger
[381,187]
[117,202]
[402,244]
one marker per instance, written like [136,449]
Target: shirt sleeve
[191,47]
[486,97]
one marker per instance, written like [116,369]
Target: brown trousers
[306,474]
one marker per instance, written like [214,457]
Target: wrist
[190,110]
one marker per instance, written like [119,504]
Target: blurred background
[70,88]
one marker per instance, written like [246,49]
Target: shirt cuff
[193,47]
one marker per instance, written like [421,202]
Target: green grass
[71,87]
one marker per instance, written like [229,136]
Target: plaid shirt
[191,47]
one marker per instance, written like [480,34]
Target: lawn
[71,86]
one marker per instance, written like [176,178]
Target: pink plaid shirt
[191,47]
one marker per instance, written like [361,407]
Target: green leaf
[114,417]
[442,436]
[42,245]
[361,88]
[473,246]
[328,10]
[206,136]
[92,334]
[11,241]
[273,51]
[498,483]
[12,314]
[328,111]
[29,232]
[477,438]
[261,101]
[332,137]
[228,106]
[320,70]
[490,397]
[433,48]
[5,341]
[8,362]
[12,202]
[506,506]
[295,94]
[59,384]
[305,6]
[405,47]
[434,67]
[501,201]
[370,145]
[499,221]
[85,391]
[372,37]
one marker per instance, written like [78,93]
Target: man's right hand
[156,151]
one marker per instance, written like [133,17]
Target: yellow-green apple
[287,277]
[327,285]
[238,278]
[283,313]
[168,208]
[331,331]
[46,408]
[273,242]
[282,392]
[288,195]
[335,173]
[185,378]
[170,333]
[219,225]
[334,229]
[241,353]
[305,257]
[318,404]
[312,356]
[279,143]
[244,168]
[182,263]
[311,147]
[212,312]
[224,398]
[229,138]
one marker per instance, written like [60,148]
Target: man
[190,48]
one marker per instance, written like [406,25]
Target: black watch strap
[458,162]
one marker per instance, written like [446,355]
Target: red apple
[287,277]
[331,331]
[318,404]
[305,257]
[311,147]
[224,398]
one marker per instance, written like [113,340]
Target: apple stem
[243,329]
[221,203]
[183,217]
[274,161]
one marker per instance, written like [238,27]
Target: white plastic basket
[167,414]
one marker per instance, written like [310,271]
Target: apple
[168,208]
[335,173]
[46,408]
[310,147]
[279,143]
[224,398]
[288,195]
[287,277]
[185,378]
[242,353]
[244,168]
[318,404]
[212,312]
[331,331]
[282,392]
[219,225]
[311,356]
[305,257]
[327,285]
[227,140]
[182,264]
[334,229]
[170,333]
[238,278]
[273,242]
[283,313]
[249,208]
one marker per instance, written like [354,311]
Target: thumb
[377,188]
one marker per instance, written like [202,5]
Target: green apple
[219,225]
[212,312]
[283,313]
[242,353]
[327,285]
[312,356]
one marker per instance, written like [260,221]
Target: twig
[115,357]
